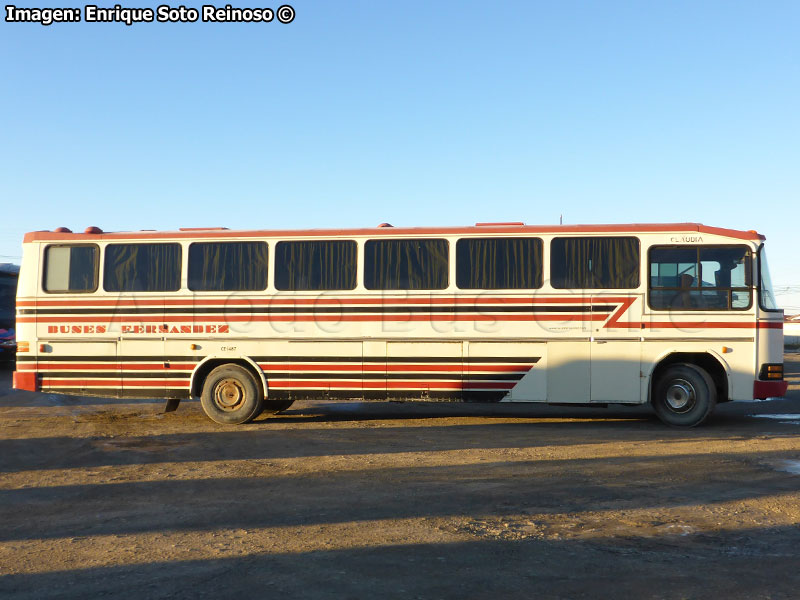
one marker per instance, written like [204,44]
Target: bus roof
[93,233]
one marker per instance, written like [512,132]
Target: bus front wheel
[684,395]
[231,395]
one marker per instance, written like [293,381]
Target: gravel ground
[100,498]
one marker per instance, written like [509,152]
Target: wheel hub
[681,395]
[229,394]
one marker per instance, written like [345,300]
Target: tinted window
[498,263]
[594,263]
[405,264]
[315,265]
[228,266]
[700,277]
[71,268]
[142,268]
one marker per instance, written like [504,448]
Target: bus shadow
[355,411]
[481,569]
[360,491]
[310,436]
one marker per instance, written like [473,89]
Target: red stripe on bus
[72,381]
[395,385]
[418,318]
[299,367]
[392,368]
[56,366]
[626,304]
[288,318]
[345,302]
[697,325]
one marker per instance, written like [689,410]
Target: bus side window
[142,268]
[700,278]
[499,263]
[71,268]
[595,263]
[413,264]
[228,266]
[316,265]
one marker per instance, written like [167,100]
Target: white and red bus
[681,316]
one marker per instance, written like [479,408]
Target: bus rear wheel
[231,395]
[684,395]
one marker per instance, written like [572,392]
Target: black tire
[231,395]
[270,407]
[684,395]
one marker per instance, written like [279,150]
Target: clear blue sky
[416,113]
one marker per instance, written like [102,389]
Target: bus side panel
[424,370]
[737,356]
[506,371]
[80,367]
[615,371]
[298,369]
[145,371]
[374,369]
[770,343]
[569,371]
[181,356]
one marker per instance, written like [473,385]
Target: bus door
[568,353]
[141,347]
[140,274]
[615,351]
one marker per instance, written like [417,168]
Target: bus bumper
[769,389]
[26,380]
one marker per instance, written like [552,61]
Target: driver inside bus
[684,298]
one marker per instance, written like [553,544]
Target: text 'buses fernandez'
[680,316]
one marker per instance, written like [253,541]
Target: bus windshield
[766,296]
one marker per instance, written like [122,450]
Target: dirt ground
[103,499]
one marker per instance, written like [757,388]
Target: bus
[678,316]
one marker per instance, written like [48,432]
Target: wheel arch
[710,362]
[208,364]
